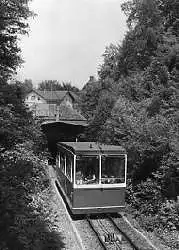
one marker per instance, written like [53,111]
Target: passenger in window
[79,177]
[91,179]
[92,176]
[112,180]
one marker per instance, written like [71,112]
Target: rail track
[109,234]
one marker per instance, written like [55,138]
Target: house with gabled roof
[45,103]
[49,97]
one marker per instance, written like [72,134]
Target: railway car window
[58,160]
[113,169]
[87,170]
[69,164]
[62,162]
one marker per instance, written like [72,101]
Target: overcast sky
[68,37]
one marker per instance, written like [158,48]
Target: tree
[169,10]
[13,22]
[89,98]
[152,33]
[22,171]
[25,86]
[144,71]
[110,67]
[144,21]
[101,115]
[54,85]
[68,86]
[93,92]
[50,85]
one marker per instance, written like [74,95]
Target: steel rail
[97,233]
[106,231]
[103,244]
[124,234]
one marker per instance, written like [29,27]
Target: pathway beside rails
[62,221]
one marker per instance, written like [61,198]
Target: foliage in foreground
[13,19]
[24,224]
[153,212]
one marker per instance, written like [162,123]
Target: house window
[38,98]
[33,97]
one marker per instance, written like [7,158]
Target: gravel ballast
[61,220]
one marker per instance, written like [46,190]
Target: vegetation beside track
[134,103]
[24,184]
[24,222]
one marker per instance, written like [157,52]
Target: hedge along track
[109,234]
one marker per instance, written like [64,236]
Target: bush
[22,174]
[152,210]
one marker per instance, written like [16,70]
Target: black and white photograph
[89,124]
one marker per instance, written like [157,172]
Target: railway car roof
[92,148]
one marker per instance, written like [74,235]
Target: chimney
[91,78]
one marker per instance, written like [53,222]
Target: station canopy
[62,130]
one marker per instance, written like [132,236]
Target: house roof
[52,95]
[68,113]
[75,95]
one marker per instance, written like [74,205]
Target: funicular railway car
[92,176]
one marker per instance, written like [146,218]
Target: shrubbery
[22,175]
[24,222]
[144,71]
